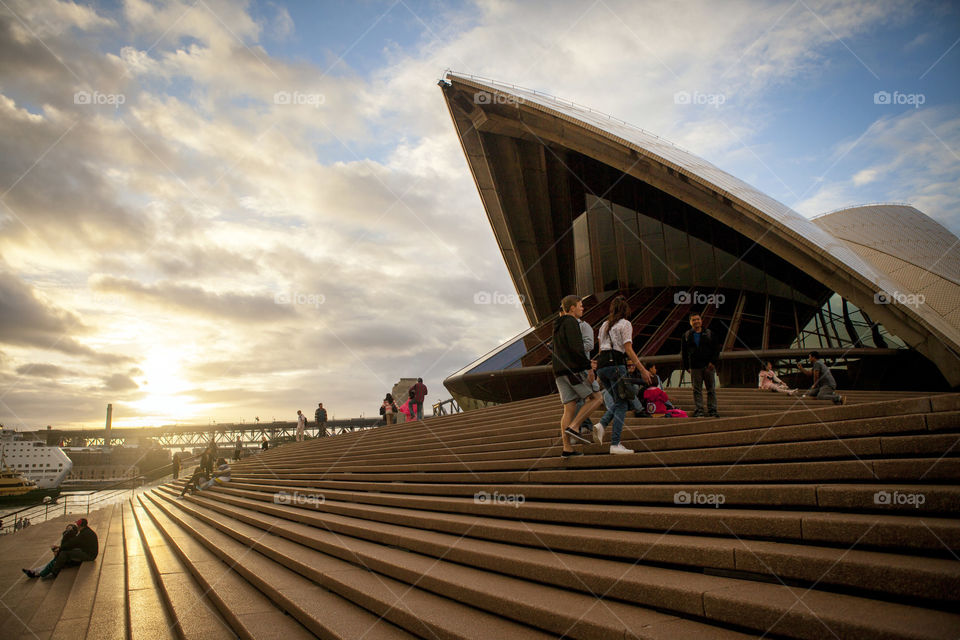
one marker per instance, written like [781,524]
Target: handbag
[611,358]
[625,390]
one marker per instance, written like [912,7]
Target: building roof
[498,108]
[915,251]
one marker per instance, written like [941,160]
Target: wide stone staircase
[783,518]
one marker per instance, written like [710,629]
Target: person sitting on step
[770,382]
[73,550]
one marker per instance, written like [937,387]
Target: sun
[165,386]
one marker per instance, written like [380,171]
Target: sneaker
[713,414]
[569,454]
[840,400]
[619,448]
[573,433]
[30,573]
[49,576]
[598,433]
[698,413]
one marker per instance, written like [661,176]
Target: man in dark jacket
[82,547]
[573,373]
[419,393]
[320,415]
[700,353]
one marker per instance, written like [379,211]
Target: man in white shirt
[301,423]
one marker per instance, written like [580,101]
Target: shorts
[570,392]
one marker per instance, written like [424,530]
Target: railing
[82,503]
[446,407]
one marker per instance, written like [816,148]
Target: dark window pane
[678,254]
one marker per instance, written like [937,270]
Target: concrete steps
[487,568]
[187,602]
[929,578]
[557,611]
[784,519]
[801,545]
[153,619]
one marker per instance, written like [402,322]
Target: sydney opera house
[580,202]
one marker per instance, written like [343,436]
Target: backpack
[656,397]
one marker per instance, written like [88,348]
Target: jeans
[419,414]
[700,378]
[824,392]
[618,409]
[634,405]
[68,558]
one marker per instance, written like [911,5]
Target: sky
[215,210]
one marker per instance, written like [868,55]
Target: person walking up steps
[573,374]
[586,427]
[700,353]
[616,347]
[301,423]
[321,417]
[419,393]
[388,409]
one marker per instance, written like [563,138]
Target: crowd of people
[411,409]
[615,377]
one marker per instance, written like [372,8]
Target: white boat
[47,466]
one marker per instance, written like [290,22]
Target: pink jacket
[769,380]
[657,396]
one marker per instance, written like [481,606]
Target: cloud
[911,157]
[168,295]
[26,319]
[44,370]
[119,382]
[169,227]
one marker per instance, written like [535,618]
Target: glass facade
[621,248]
[839,323]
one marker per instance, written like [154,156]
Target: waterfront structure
[580,202]
[31,457]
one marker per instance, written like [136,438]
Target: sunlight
[164,384]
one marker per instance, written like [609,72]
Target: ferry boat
[16,489]
[46,466]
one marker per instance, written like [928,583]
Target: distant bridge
[224,434]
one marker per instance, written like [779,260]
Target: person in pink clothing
[409,410]
[770,382]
